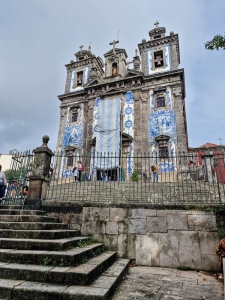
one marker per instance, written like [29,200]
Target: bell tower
[115,62]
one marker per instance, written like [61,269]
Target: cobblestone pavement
[163,283]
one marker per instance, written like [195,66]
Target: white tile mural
[86,71]
[128,114]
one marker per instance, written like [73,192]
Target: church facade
[111,108]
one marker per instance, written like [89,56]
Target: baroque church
[109,107]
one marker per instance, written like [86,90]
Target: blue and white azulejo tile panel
[73,133]
[86,71]
[168,100]
[128,114]
[95,116]
[161,122]
[150,60]
[130,161]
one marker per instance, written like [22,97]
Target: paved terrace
[170,284]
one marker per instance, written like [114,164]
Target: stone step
[70,257]
[102,288]
[32,226]
[83,274]
[38,234]
[27,218]
[21,212]
[40,244]
[3,206]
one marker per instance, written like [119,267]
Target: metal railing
[194,178]
[18,178]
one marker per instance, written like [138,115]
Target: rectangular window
[158,59]
[163,152]
[69,161]
[160,102]
[79,78]
[74,117]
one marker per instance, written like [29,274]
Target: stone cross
[156,24]
[220,141]
[114,43]
[81,47]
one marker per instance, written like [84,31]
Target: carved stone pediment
[111,90]
[94,82]
[162,137]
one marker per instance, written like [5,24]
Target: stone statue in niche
[114,69]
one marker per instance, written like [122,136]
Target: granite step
[70,257]
[32,226]
[102,288]
[83,274]
[40,244]
[38,234]
[27,218]
[4,206]
[21,212]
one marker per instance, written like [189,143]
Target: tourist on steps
[155,173]
[79,170]
[103,175]
[2,184]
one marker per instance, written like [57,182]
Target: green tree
[217,42]
[134,176]
[16,175]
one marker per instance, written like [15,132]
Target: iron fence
[18,178]
[194,177]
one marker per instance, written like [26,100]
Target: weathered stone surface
[190,256]
[147,250]
[57,274]
[35,290]
[117,214]
[210,262]
[168,248]
[112,228]
[122,245]
[131,247]
[6,287]
[137,226]
[157,224]
[208,242]
[142,213]
[83,292]
[95,213]
[188,239]
[177,222]
[202,222]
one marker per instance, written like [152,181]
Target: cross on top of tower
[114,43]
[156,24]
[220,141]
[81,47]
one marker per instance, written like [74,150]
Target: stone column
[39,175]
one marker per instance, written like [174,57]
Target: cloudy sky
[38,37]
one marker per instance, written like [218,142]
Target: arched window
[114,69]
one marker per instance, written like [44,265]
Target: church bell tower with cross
[125,106]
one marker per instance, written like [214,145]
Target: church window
[79,78]
[114,69]
[69,161]
[81,58]
[74,116]
[160,102]
[163,152]
[158,59]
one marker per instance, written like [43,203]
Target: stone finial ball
[45,139]
[171,33]
[143,40]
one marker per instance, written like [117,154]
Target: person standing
[2,184]
[75,172]
[103,175]
[79,170]
[155,172]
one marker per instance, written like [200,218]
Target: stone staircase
[41,259]
[162,192]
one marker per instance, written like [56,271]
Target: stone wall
[154,237]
